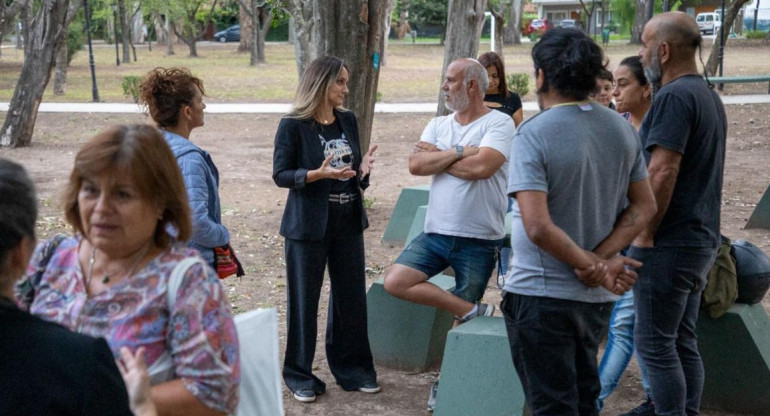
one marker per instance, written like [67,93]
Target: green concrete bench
[742,80]
[736,358]
[477,374]
[403,213]
[405,335]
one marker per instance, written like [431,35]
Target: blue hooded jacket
[201,178]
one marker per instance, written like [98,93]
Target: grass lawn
[412,73]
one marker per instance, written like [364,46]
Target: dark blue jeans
[667,297]
[554,343]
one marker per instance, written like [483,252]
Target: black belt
[342,198]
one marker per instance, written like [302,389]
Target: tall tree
[64,56]
[303,29]
[353,30]
[260,15]
[465,19]
[731,12]
[125,33]
[498,14]
[184,13]
[44,38]
[640,19]
[8,13]
[513,28]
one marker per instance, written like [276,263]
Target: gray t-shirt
[583,156]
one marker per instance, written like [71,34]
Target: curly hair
[165,90]
[570,60]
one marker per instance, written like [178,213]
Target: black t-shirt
[333,140]
[689,118]
[508,105]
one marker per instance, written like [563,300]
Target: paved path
[284,108]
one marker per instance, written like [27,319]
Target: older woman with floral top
[125,277]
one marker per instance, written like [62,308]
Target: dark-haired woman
[633,96]
[174,99]
[318,158]
[498,97]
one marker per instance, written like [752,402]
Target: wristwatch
[459,150]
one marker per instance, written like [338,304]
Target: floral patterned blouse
[198,330]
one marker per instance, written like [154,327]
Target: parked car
[708,23]
[231,34]
[568,23]
[536,26]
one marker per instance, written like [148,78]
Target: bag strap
[176,279]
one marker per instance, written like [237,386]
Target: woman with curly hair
[174,99]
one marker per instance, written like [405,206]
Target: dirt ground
[253,206]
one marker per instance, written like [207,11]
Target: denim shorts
[472,259]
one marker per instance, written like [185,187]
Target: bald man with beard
[684,136]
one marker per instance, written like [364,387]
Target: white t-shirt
[469,208]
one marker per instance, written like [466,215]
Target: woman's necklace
[107,277]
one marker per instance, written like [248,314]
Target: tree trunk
[640,19]
[353,31]
[125,34]
[7,16]
[403,24]
[386,30]
[265,16]
[513,28]
[465,18]
[188,37]
[45,33]
[168,29]
[60,69]
[244,19]
[712,64]
[499,28]
[303,15]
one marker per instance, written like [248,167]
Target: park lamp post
[721,43]
[94,88]
[114,7]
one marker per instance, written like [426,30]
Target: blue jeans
[472,259]
[620,347]
[667,297]
[554,343]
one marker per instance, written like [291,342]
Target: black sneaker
[305,395]
[645,409]
[371,388]
[432,397]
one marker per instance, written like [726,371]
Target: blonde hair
[314,85]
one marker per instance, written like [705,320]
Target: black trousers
[554,343]
[347,340]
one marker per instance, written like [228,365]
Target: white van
[708,23]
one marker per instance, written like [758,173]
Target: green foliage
[518,82]
[378,97]
[130,86]
[76,37]
[623,14]
[755,34]
[368,202]
[422,12]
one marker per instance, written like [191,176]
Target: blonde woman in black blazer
[318,157]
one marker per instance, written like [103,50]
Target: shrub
[755,34]
[519,83]
[76,37]
[131,86]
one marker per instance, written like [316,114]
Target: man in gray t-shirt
[579,179]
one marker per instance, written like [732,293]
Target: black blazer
[47,370]
[297,150]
